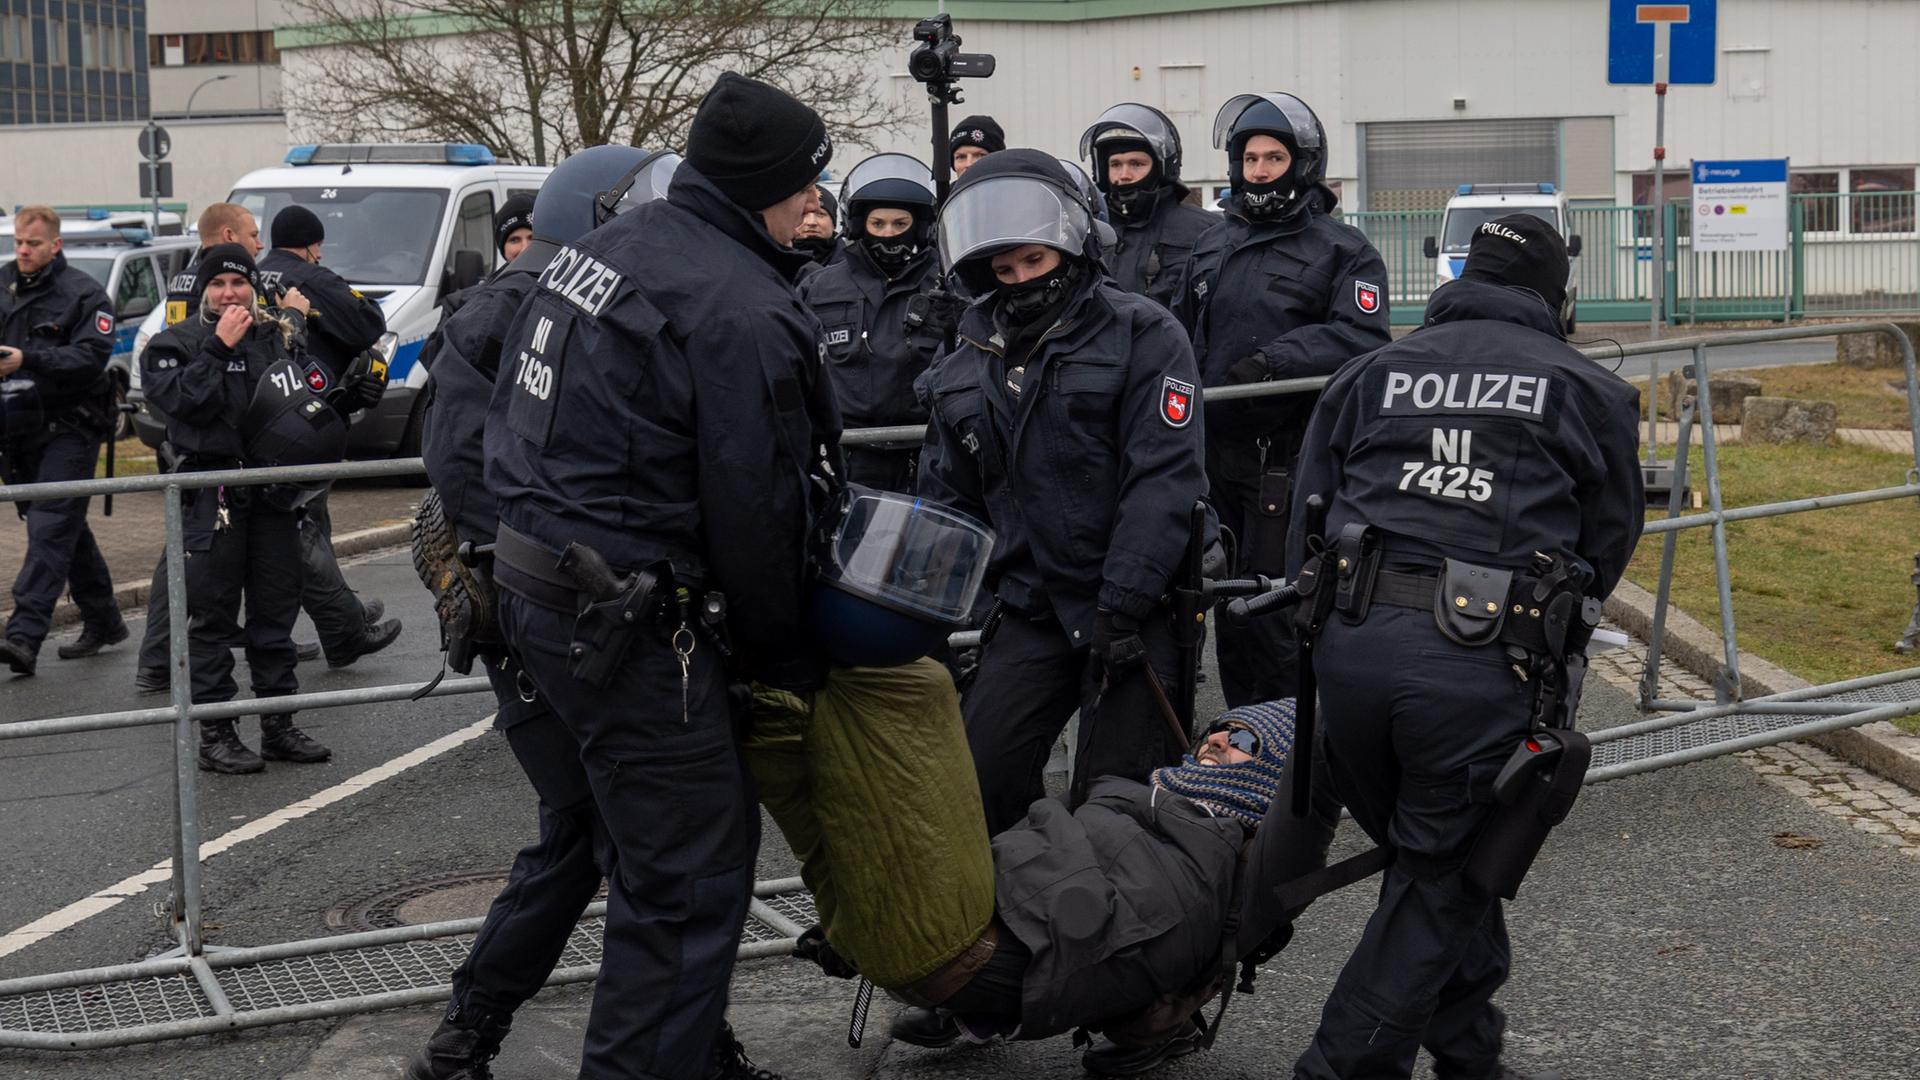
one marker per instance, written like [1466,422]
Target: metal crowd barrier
[198,989]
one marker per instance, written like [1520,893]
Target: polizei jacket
[202,386]
[1089,474]
[661,399]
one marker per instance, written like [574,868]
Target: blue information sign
[1633,29]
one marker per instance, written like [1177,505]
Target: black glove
[1249,368]
[935,313]
[361,385]
[1116,640]
[812,945]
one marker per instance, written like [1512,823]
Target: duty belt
[531,570]
[1530,619]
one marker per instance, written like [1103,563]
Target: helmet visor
[1008,211]
[887,167]
[648,181]
[1138,119]
[909,554]
[1306,129]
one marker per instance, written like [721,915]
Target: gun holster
[1356,566]
[605,628]
[1535,789]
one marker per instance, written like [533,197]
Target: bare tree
[538,79]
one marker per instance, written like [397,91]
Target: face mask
[1134,200]
[891,253]
[1030,301]
[817,248]
[1268,200]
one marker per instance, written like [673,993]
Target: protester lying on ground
[1107,918]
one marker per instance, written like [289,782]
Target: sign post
[156,178]
[1661,45]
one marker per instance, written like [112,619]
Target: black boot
[281,741]
[924,1027]
[1108,1058]
[374,609]
[91,641]
[222,751]
[459,1050]
[16,655]
[152,681]
[373,637]
[730,1060]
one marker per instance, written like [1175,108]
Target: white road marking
[81,910]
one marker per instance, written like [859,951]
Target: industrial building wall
[98,163]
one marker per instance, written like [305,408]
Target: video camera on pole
[938,63]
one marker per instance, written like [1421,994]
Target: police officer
[1134,152]
[818,238]
[1276,290]
[1065,419]
[972,139]
[342,324]
[513,228]
[1479,446]
[554,878]
[873,354]
[56,333]
[228,384]
[661,406]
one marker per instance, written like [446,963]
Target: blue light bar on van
[1546,189]
[1463,189]
[390,154]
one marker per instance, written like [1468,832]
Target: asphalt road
[1663,933]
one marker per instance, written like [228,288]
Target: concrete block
[1729,393]
[1873,350]
[1789,420]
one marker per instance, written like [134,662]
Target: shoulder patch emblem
[1366,296]
[316,376]
[1176,402]
[103,321]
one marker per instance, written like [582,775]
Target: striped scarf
[1242,791]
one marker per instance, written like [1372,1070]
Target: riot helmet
[890,181]
[1132,126]
[287,423]
[1288,119]
[1009,200]
[595,185]
[1104,238]
[896,575]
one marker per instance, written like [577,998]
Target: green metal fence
[1847,254]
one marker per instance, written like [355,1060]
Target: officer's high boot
[730,1060]
[222,751]
[18,656]
[461,1048]
[281,741]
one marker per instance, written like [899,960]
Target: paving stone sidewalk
[133,538]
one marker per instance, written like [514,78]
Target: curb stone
[132,595]
[1879,748]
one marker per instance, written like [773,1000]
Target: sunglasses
[1239,736]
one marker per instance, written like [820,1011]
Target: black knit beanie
[756,142]
[297,227]
[828,203]
[1520,249]
[981,131]
[225,259]
[516,213]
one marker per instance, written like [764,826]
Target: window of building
[1881,200]
[1820,201]
[269,50]
[56,42]
[1679,187]
[235,47]
[246,48]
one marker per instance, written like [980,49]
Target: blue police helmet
[896,575]
[595,185]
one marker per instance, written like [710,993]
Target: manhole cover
[422,900]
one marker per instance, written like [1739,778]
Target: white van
[407,224]
[1475,204]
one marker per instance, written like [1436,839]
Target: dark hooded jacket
[1152,249]
[662,399]
[63,325]
[1119,901]
[342,324]
[1306,292]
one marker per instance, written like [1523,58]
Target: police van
[408,225]
[118,249]
[1473,205]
